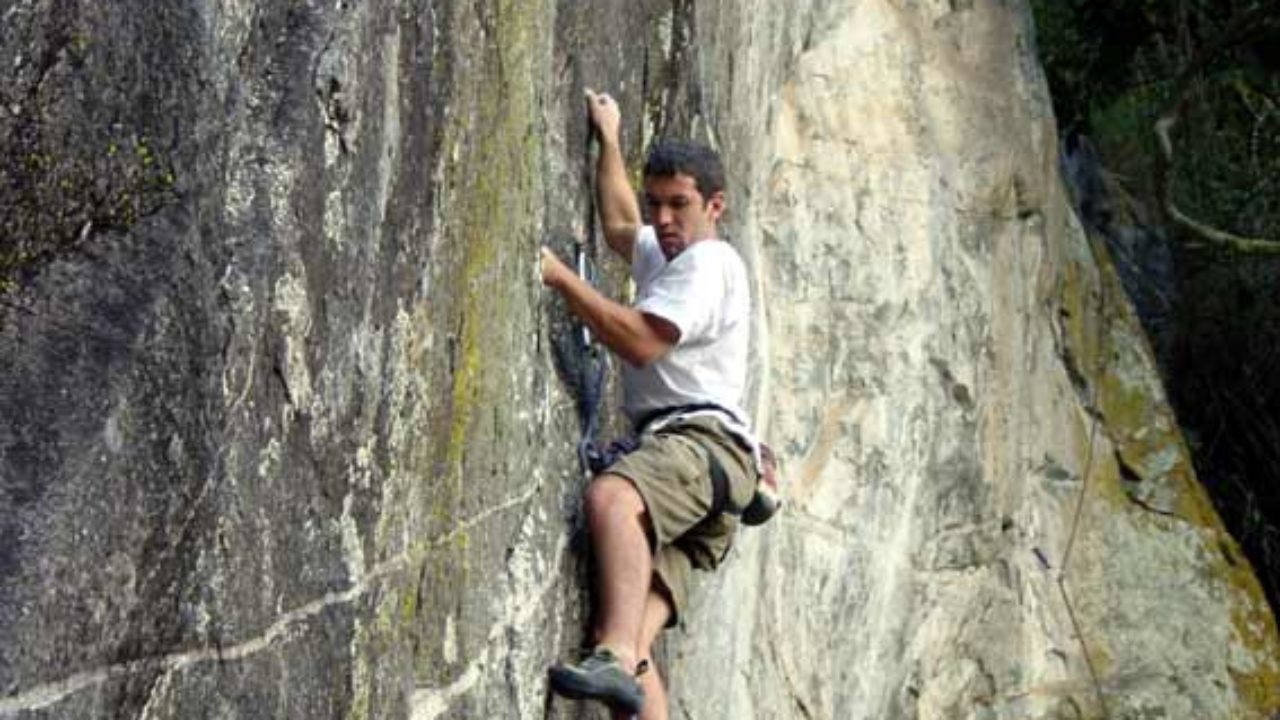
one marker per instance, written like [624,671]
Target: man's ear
[716,204]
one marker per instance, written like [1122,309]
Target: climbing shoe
[599,677]
[767,501]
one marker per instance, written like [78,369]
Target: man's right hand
[553,269]
[605,115]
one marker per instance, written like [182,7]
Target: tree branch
[1239,29]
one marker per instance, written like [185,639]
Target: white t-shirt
[705,293]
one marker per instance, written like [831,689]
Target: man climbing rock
[671,504]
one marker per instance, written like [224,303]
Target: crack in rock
[283,629]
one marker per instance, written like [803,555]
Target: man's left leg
[657,611]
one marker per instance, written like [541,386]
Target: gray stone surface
[281,432]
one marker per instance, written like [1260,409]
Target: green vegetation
[1115,67]
[1211,70]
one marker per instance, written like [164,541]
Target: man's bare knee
[613,496]
[612,500]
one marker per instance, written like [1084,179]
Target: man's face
[680,215]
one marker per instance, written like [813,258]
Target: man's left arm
[637,337]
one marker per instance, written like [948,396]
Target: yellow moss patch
[1146,435]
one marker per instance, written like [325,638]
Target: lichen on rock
[292,442]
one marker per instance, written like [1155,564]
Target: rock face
[281,428]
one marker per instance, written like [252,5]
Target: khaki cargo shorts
[672,472]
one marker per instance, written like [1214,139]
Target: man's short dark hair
[686,157]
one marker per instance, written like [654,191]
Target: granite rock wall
[287,422]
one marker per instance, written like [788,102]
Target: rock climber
[671,505]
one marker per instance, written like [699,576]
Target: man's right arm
[637,337]
[619,212]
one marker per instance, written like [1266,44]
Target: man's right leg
[669,471]
[619,527]
[620,532]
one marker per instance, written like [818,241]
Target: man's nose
[661,215]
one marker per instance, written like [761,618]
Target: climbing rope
[592,365]
[1093,412]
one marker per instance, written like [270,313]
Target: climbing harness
[764,503]
[591,367]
